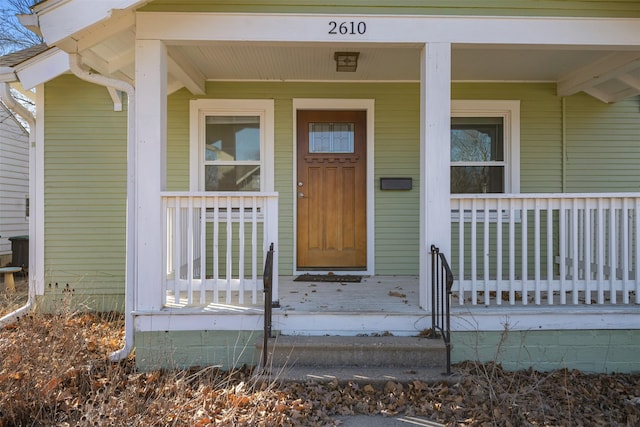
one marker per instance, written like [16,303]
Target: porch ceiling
[607,73]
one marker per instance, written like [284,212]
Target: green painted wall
[396,145]
[591,8]
[85,179]
[601,351]
[180,349]
[540,129]
[602,148]
[591,351]
[85,164]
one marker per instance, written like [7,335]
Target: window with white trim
[231,145]
[485,146]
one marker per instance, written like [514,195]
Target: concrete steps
[363,358]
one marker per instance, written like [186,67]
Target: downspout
[79,71]
[564,143]
[14,105]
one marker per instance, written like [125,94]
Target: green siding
[85,164]
[182,349]
[396,146]
[603,145]
[583,8]
[601,351]
[85,179]
[540,129]
[592,351]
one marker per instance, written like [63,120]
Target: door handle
[300,195]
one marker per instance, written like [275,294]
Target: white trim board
[186,27]
[561,317]
[340,104]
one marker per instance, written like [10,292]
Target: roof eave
[7,75]
[58,20]
[42,68]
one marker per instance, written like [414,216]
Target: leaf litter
[55,371]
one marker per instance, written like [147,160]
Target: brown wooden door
[331,190]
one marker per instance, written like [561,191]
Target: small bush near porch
[55,371]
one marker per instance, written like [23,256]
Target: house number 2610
[347,28]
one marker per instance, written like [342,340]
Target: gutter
[79,71]
[13,104]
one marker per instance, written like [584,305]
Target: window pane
[232,178]
[477,179]
[230,138]
[331,137]
[477,139]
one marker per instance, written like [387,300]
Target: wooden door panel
[332,197]
[349,208]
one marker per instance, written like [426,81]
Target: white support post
[151,113]
[435,125]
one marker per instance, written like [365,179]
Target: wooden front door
[331,190]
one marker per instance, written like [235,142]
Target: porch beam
[120,61]
[118,23]
[435,123]
[610,67]
[189,27]
[94,61]
[184,71]
[150,172]
[631,81]
[610,97]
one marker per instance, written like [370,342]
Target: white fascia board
[7,75]
[43,68]
[30,22]
[61,19]
[183,26]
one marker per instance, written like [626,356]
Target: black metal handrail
[267,280]
[441,283]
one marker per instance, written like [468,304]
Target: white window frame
[509,111]
[199,109]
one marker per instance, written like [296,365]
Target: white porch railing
[546,249]
[214,246]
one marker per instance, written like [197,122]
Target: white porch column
[435,124]
[150,173]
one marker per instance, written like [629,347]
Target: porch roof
[609,72]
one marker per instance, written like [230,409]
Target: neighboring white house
[14,181]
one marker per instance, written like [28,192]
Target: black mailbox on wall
[396,183]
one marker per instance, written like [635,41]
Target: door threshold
[336,271]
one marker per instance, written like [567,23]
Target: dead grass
[54,371]
[10,301]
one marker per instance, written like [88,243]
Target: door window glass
[331,138]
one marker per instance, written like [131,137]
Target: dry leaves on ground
[54,370]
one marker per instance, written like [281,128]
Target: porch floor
[390,294]
[375,294]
